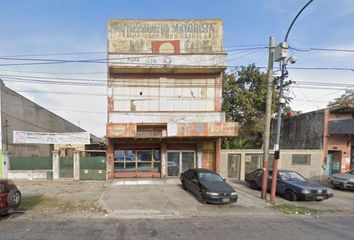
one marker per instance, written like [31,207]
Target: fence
[92,168]
[31,163]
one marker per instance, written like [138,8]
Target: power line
[230,47]
[54,73]
[40,61]
[321,49]
[53,54]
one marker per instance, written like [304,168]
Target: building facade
[164,97]
[316,144]
[235,163]
[19,114]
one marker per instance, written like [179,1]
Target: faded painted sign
[25,137]
[134,60]
[121,130]
[164,36]
[214,129]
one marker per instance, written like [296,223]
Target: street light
[281,54]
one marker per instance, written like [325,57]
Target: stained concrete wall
[304,131]
[22,114]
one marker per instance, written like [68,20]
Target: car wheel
[14,198]
[184,185]
[253,185]
[290,196]
[201,197]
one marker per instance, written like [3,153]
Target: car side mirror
[195,180]
[224,179]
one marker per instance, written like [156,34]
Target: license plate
[319,198]
[225,200]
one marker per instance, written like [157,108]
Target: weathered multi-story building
[164,97]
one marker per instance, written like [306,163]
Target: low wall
[30,174]
[314,171]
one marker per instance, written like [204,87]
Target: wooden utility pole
[268,118]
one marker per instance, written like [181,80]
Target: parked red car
[10,196]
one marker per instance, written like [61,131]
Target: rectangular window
[130,155]
[144,155]
[119,155]
[137,160]
[119,166]
[301,159]
[144,167]
[157,156]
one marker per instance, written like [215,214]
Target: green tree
[244,101]
[345,100]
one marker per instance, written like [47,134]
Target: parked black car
[291,185]
[208,186]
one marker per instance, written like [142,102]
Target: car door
[188,179]
[3,196]
[195,186]
[258,177]
[281,185]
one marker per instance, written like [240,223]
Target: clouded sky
[77,30]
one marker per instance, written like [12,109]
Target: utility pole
[283,49]
[268,118]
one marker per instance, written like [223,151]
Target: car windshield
[291,176]
[209,177]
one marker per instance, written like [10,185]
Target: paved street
[251,227]
[156,209]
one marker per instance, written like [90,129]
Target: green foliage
[345,100]
[244,101]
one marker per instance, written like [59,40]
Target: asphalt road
[281,227]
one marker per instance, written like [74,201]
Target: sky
[77,30]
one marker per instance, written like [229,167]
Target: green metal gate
[31,163]
[66,167]
[93,168]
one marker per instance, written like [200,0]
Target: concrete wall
[304,131]
[21,113]
[314,171]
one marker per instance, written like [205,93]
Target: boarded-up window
[301,159]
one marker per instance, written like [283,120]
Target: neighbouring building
[164,97]
[22,120]
[316,144]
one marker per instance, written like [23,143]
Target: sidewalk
[150,198]
[146,198]
[341,202]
